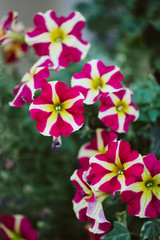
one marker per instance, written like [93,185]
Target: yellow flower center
[58,107]
[57,35]
[121,106]
[120,172]
[149,183]
[97,83]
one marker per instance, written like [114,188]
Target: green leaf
[153,114]
[122,217]
[119,232]
[151,230]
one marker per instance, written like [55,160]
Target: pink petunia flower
[117,110]
[116,169]
[97,79]
[58,37]
[88,204]
[58,110]
[16,227]
[97,146]
[143,196]
[34,79]
[12,38]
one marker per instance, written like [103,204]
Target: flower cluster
[12,38]
[16,227]
[58,110]
[109,166]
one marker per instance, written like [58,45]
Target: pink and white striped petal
[97,79]
[116,169]
[88,205]
[97,146]
[117,110]
[59,38]
[143,196]
[34,79]
[16,227]
[58,110]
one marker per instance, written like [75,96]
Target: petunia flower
[34,79]
[88,204]
[97,79]
[58,37]
[58,110]
[97,146]
[8,24]
[16,227]
[12,38]
[116,169]
[143,196]
[117,110]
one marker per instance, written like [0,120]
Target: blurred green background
[34,179]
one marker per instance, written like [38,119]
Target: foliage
[119,232]
[151,230]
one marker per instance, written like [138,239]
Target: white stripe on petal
[50,23]
[55,97]
[76,178]
[43,107]
[55,50]
[50,122]
[82,82]
[91,95]
[121,121]
[41,38]
[103,180]
[136,187]
[79,206]
[106,77]
[129,164]
[132,111]
[108,112]
[72,41]
[69,103]
[94,69]
[67,117]
[104,164]
[145,200]
[109,89]
[17,223]
[114,98]
[127,96]
[100,143]
[68,25]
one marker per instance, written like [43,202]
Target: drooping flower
[12,38]
[97,79]
[92,236]
[117,110]
[31,81]
[16,227]
[58,37]
[143,196]
[88,204]
[97,146]
[116,169]
[58,110]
